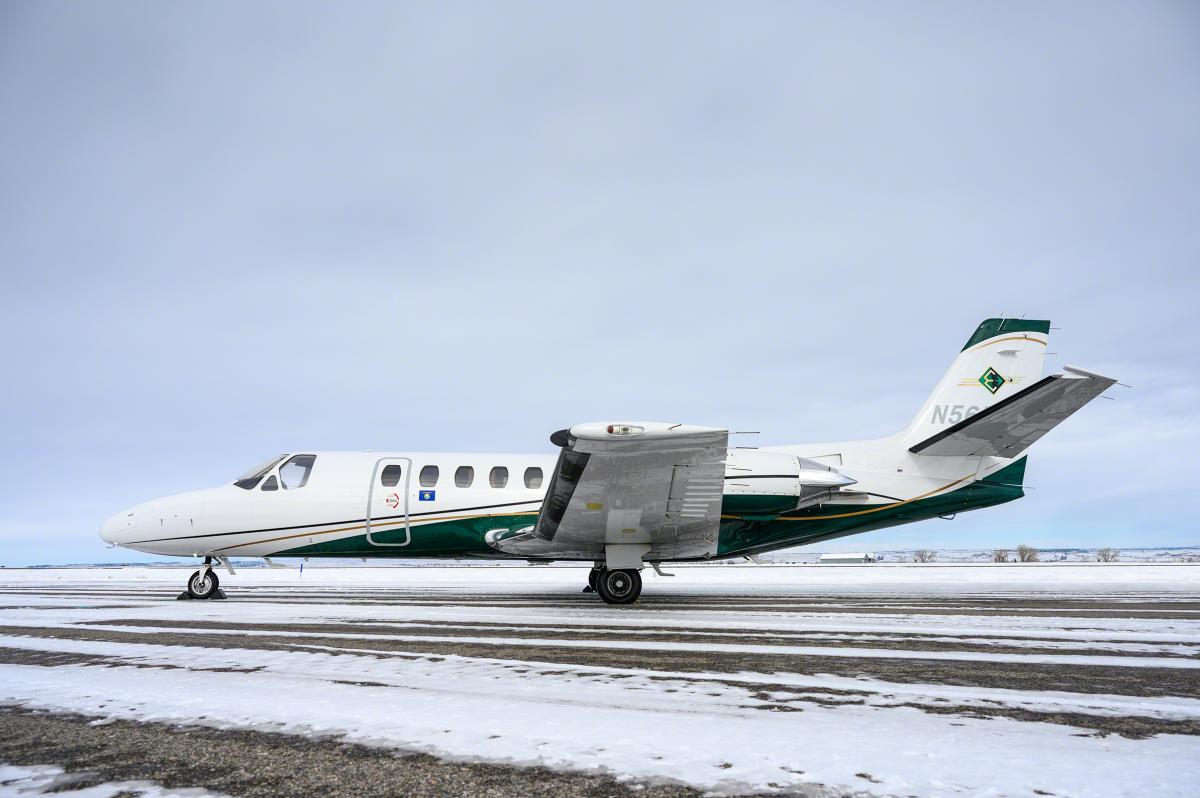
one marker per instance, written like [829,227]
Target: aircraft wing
[648,483]
[1012,425]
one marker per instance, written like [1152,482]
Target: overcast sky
[229,230]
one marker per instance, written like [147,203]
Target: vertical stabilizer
[1003,356]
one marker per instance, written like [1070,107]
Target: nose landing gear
[204,583]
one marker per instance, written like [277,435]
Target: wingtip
[1078,372]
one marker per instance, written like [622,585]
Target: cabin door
[387,502]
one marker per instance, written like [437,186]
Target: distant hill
[1157,554]
[806,555]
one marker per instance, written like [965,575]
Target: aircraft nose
[116,529]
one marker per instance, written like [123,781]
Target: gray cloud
[228,231]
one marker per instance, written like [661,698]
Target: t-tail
[994,401]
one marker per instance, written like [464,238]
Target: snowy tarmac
[1079,680]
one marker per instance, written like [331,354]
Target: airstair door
[387,502]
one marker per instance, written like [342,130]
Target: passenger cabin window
[429,476]
[498,477]
[464,476]
[270,484]
[533,477]
[295,472]
[391,476]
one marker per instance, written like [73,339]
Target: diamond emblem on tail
[991,380]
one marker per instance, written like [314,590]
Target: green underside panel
[757,529]
[458,538]
[761,504]
[814,524]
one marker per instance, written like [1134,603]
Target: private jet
[622,495]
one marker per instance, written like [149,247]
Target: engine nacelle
[770,483]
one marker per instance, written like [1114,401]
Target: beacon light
[625,429]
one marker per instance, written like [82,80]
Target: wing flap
[1012,425]
[641,483]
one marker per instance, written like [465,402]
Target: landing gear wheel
[203,584]
[593,575]
[622,586]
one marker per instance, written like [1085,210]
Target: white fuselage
[343,494]
[346,495]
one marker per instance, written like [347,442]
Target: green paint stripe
[742,536]
[990,328]
[465,537]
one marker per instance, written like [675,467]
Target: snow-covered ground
[1126,555]
[720,579]
[891,680]
[49,780]
[810,555]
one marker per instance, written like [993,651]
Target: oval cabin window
[498,477]
[391,476]
[429,476]
[533,477]
[464,476]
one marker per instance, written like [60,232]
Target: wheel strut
[204,583]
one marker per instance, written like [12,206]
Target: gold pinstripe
[424,521]
[421,522]
[986,344]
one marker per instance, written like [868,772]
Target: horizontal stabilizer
[1012,425]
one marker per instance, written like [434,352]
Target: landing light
[625,429]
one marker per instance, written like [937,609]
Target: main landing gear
[617,586]
[204,584]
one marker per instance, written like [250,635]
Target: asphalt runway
[1117,670]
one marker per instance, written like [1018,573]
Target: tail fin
[1001,357]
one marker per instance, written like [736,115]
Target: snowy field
[1063,679]
[1076,555]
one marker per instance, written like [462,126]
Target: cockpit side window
[252,477]
[270,484]
[295,472]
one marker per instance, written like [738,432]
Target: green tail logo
[991,380]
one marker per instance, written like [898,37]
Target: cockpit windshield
[248,480]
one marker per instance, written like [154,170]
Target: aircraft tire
[621,586]
[592,576]
[203,584]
